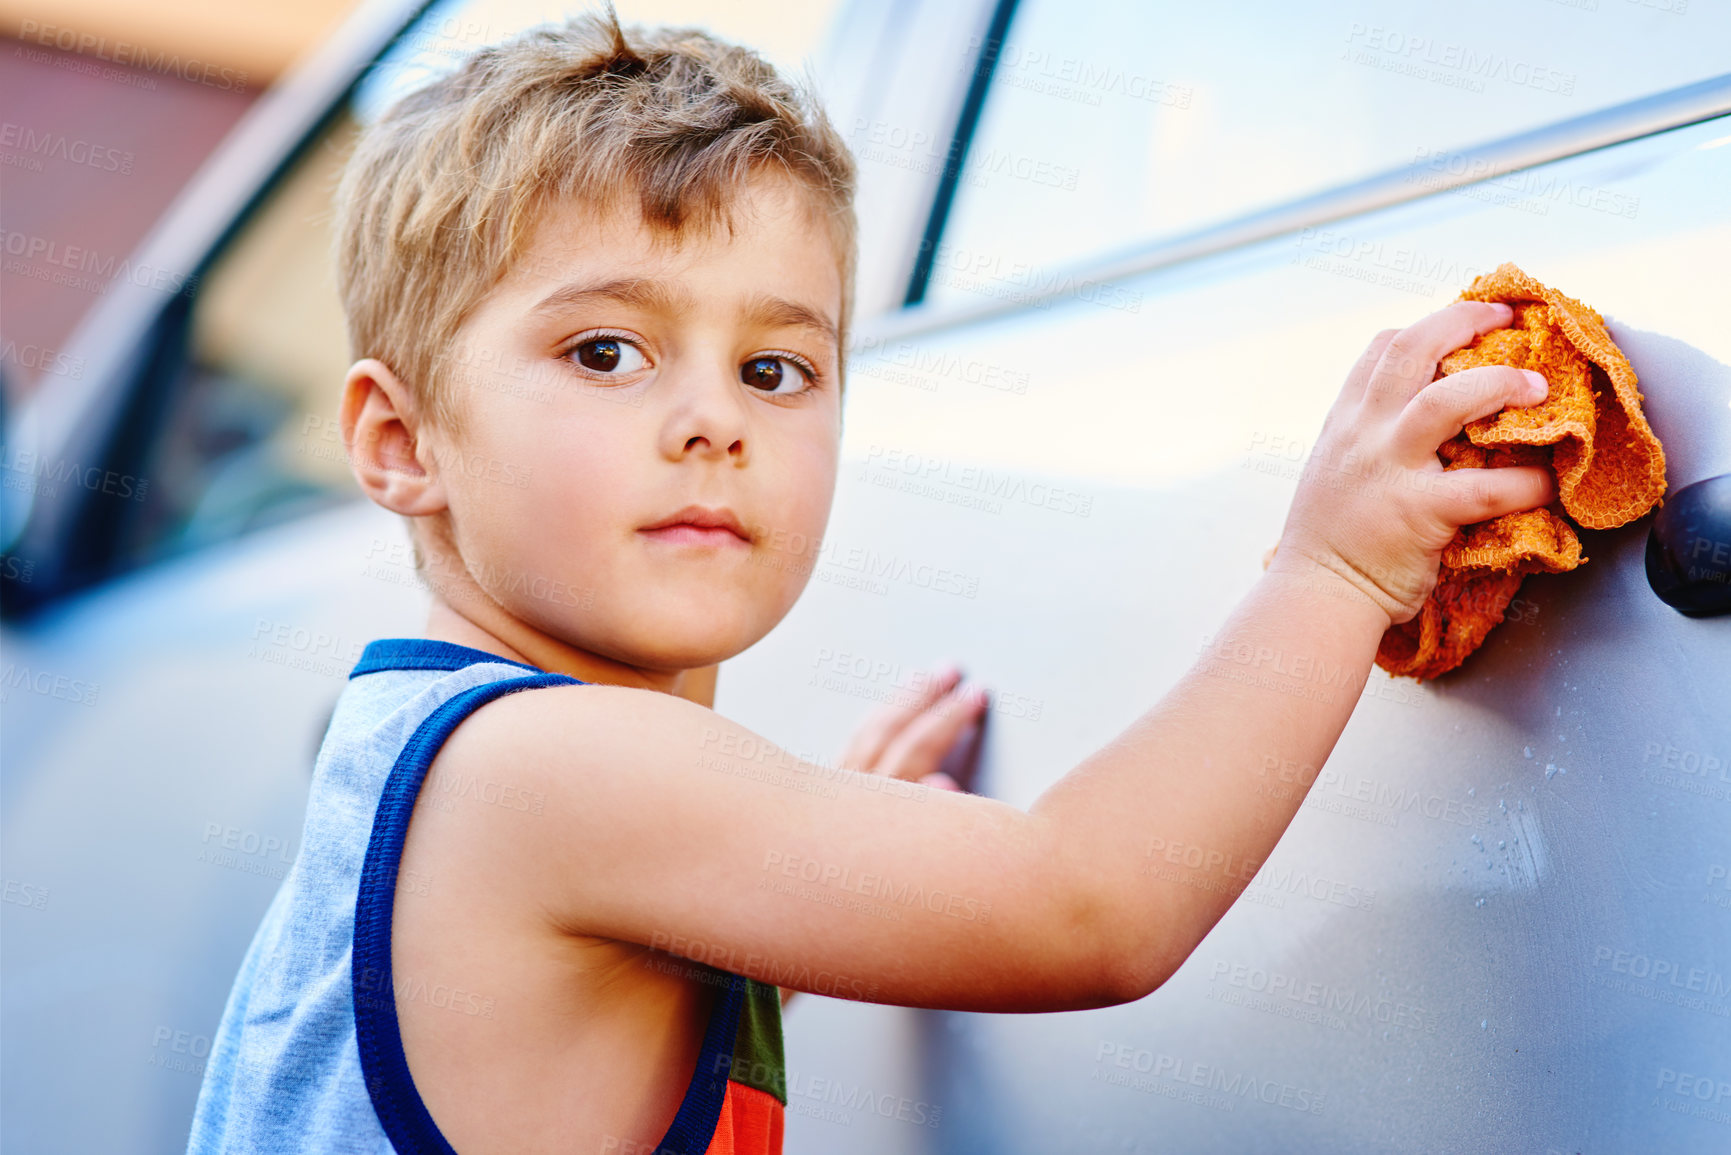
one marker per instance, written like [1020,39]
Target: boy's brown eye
[609,356]
[764,372]
[601,356]
[770,373]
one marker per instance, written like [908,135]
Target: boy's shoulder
[432,704]
[562,788]
[399,682]
[402,701]
[569,729]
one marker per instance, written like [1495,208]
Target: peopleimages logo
[1346,1002]
[1227,1086]
[1662,980]
[131,55]
[47,259]
[1653,969]
[880,886]
[1528,189]
[30,143]
[42,359]
[1454,65]
[1277,881]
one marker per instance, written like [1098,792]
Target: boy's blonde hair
[443,190]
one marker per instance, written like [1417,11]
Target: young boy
[618,267]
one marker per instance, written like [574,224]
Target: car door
[1500,920]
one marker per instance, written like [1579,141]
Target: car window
[1170,376]
[251,439]
[253,436]
[1109,124]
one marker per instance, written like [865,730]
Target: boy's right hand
[1375,506]
[910,740]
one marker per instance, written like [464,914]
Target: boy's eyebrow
[638,292]
[776,312]
[648,293]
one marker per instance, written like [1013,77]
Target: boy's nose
[708,411]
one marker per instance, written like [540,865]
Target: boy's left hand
[910,741]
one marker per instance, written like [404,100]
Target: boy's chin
[693,636]
[672,658]
[741,608]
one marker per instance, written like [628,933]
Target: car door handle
[1689,549]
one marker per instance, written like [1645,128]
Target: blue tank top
[309,1057]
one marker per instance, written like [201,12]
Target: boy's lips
[699,525]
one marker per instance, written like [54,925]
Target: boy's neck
[489,628]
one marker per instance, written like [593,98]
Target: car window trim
[1619,124]
[956,155]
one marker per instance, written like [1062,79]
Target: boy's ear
[380,432]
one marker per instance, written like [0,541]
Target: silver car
[1117,259]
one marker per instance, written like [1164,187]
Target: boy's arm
[667,825]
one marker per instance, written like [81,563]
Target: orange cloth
[1589,430]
